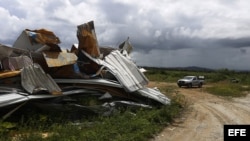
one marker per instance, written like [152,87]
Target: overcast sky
[164,33]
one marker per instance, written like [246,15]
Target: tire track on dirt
[205,117]
[220,116]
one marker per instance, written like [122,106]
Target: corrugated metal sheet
[123,69]
[12,98]
[154,94]
[128,88]
[34,79]
[102,82]
[57,59]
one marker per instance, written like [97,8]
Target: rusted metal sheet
[57,59]
[112,76]
[63,72]
[87,39]
[34,40]
[34,80]
[43,36]
[7,74]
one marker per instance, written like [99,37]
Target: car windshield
[188,77]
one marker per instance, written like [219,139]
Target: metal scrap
[87,39]
[57,59]
[33,40]
[34,80]
[57,79]
[5,51]
[16,63]
[125,71]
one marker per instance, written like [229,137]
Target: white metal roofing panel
[154,94]
[9,99]
[102,82]
[125,71]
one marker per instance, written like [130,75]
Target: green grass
[164,75]
[127,126]
[228,90]
[130,125]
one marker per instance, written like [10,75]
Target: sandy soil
[205,116]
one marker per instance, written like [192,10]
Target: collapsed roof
[36,68]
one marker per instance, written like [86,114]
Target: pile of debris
[38,71]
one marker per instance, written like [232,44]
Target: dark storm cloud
[243,51]
[235,43]
[215,58]
[180,42]
[211,33]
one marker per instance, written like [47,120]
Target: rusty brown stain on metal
[57,59]
[44,36]
[7,74]
[87,39]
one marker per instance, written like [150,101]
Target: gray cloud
[214,58]
[243,51]
[168,33]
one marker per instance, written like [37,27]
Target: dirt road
[205,116]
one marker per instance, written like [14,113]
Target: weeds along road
[205,116]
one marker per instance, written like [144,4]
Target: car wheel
[200,85]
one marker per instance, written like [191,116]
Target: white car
[190,81]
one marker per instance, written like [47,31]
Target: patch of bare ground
[205,116]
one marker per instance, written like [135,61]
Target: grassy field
[222,75]
[123,126]
[220,81]
[128,125]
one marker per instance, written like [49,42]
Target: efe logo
[237,132]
